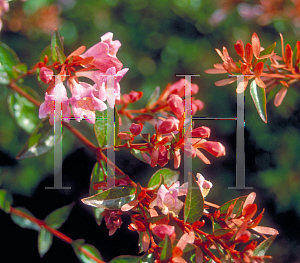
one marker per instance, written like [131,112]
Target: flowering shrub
[170,218]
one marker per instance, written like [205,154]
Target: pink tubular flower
[100,80]
[167,199]
[104,54]
[179,86]
[176,105]
[168,125]
[46,75]
[113,45]
[84,103]
[113,220]
[163,230]
[47,107]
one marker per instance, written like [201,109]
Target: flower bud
[176,105]
[201,132]
[46,75]
[163,230]
[215,148]
[169,125]
[136,129]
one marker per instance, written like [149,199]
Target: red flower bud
[176,105]
[215,148]
[201,132]
[169,125]
[136,128]
[46,75]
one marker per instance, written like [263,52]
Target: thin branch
[53,231]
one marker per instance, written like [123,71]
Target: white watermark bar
[240,139]
[110,123]
[187,160]
[58,135]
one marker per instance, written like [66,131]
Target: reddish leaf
[256,45]
[282,46]
[298,52]
[250,211]
[248,53]
[280,96]
[266,230]
[224,82]
[239,48]
[258,69]
[250,199]
[78,51]
[215,71]
[257,219]
[288,55]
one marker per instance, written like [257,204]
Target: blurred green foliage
[162,38]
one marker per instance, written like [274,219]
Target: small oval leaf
[56,218]
[22,221]
[79,245]
[5,200]
[39,142]
[194,202]
[169,176]
[112,199]
[45,239]
[258,95]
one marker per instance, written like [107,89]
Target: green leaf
[262,248]
[125,259]
[61,56]
[155,218]
[169,176]
[147,258]
[194,202]
[39,142]
[97,176]
[59,216]
[146,137]
[239,201]
[56,41]
[8,59]
[112,199]
[154,96]
[45,239]
[189,253]
[25,112]
[101,127]
[167,250]
[5,200]
[258,95]
[156,182]
[79,245]
[22,221]
[266,51]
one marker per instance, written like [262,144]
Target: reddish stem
[53,231]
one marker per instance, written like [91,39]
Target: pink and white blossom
[167,199]
[48,106]
[84,103]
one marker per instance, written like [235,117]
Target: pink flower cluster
[167,199]
[101,66]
